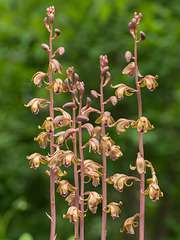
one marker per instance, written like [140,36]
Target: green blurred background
[89,28]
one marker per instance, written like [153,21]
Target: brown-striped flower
[73,213]
[130,224]
[34,103]
[114,153]
[42,139]
[123,89]
[38,78]
[93,200]
[35,160]
[113,208]
[119,180]
[140,164]
[142,125]
[106,119]
[55,66]
[64,187]
[130,70]
[58,86]
[149,81]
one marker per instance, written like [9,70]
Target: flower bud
[134,23]
[108,78]
[46,23]
[61,50]
[131,30]
[51,18]
[76,77]
[139,18]
[143,36]
[57,31]
[88,102]
[94,94]
[45,47]
[113,100]
[81,90]
[82,118]
[69,105]
[104,70]
[135,15]
[66,83]
[128,56]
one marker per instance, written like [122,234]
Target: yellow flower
[106,119]
[55,66]
[113,207]
[48,125]
[130,70]
[130,224]
[72,214]
[58,86]
[67,157]
[36,158]
[57,174]
[97,132]
[64,187]
[71,199]
[38,78]
[60,138]
[140,164]
[114,153]
[121,90]
[42,139]
[94,144]
[64,120]
[34,103]
[107,143]
[149,81]
[119,180]
[142,125]
[122,123]
[93,200]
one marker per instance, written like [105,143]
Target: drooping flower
[140,164]
[149,81]
[35,160]
[114,153]
[122,124]
[60,138]
[130,224]
[38,78]
[64,187]
[73,213]
[64,120]
[121,90]
[55,66]
[113,208]
[57,174]
[71,199]
[67,157]
[107,143]
[142,125]
[130,70]
[48,125]
[93,200]
[58,86]
[106,119]
[97,132]
[42,139]
[34,103]
[119,180]
[94,144]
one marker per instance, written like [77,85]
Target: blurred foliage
[89,28]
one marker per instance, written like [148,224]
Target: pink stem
[82,175]
[52,185]
[104,185]
[76,227]
[141,149]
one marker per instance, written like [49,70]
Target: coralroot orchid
[34,103]
[73,213]
[114,209]
[105,119]
[149,81]
[64,187]
[130,224]
[123,89]
[142,125]
[93,200]
[36,159]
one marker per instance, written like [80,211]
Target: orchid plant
[67,123]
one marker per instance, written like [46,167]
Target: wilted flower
[34,103]
[58,86]
[140,164]
[93,200]
[55,66]
[130,70]
[94,144]
[149,81]
[106,119]
[42,139]
[72,214]
[123,89]
[57,174]
[130,224]
[38,78]
[114,153]
[64,187]
[119,180]
[113,208]
[107,143]
[35,160]
[142,125]
[153,190]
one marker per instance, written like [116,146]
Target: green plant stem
[141,149]
[76,227]
[82,175]
[104,185]
[52,184]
